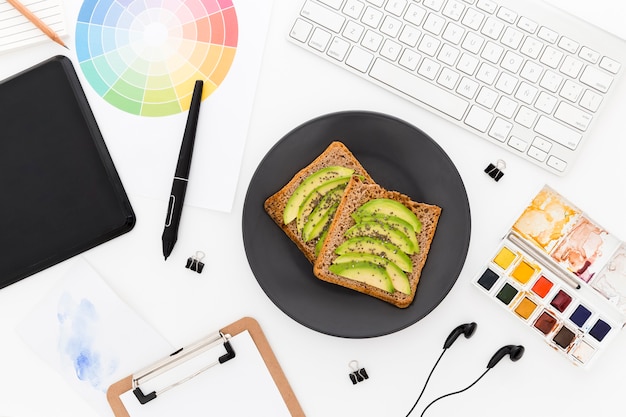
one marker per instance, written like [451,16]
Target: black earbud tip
[517,352]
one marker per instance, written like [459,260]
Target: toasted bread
[355,195]
[336,154]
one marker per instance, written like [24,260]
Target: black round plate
[399,157]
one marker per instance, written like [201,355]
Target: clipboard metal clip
[180,356]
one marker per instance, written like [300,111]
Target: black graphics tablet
[61,194]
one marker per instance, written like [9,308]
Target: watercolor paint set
[562,275]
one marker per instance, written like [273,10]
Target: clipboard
[224,337]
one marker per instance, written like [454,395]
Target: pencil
[37,22]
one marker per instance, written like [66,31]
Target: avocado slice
[308,185]
[392,221]
[320,241]
[389,207]
[315,199]
[366,272]
[398,278]
[366,244]
[317,227]
[382,231]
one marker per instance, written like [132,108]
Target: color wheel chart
[143,56]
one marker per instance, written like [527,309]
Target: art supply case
[61,193]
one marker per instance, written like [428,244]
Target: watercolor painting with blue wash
[78,330]
[86,333]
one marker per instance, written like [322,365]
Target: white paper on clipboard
[242,386]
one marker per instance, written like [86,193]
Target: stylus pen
[181,175]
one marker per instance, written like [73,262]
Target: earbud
[514,351]
[466,329]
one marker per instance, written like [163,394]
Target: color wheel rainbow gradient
[144,56]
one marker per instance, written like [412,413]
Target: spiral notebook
[232,372]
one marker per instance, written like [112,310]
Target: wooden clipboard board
[254,329]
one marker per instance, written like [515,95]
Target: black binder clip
[357,375]
[194,262]
[495,171]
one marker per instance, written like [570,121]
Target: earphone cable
[456,392]
[426,383]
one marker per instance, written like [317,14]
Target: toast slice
[336,154]
[356,194]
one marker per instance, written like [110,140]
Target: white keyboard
[521,74]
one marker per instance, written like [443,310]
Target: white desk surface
[296,86]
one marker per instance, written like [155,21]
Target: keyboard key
[410,59]
[335,4]
[319,40]
[453,10]
[353,31]
[372,17]
[526,116]
[434,4]
[517,143]
[537,153]
[323,16]
[507,15]
[421,90]
[545,102]
[338,49]
[531,47]
[390,50]
[396,7]
[487,97]
[571,91]
[353,8]
[512,38]
[506,107]
[415,14]
[372,40]
[568,44]
[527,25]
[558,132]
[500,129]
[506,83]
[556,163]
[571,66]
[589,55]
[448,55]
[453,33]
[448,78]
[487,5]
[610,65]
[429,69]
[434,24]
[596,79]
[511,62]
[409,35]
[492,28]
[573,116]
[591,101]
[429,45]
[551,57]
[359,59]
[301,30]
[391,26]
[478,118]
[473,19]
[547,34]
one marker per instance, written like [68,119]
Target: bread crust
[356,194]
[335,154]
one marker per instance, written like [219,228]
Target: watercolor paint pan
[561,274]
[568,318]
